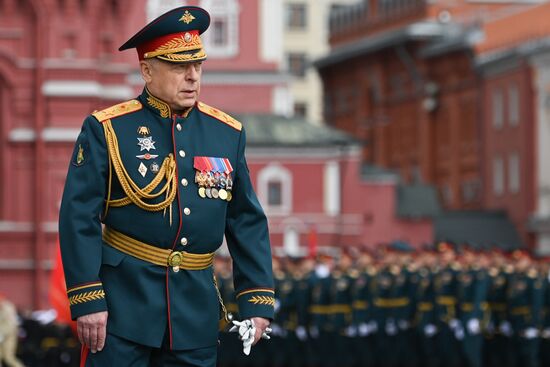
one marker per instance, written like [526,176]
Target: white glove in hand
[459,333]
[247,331]
[301,333]
[454,324]
[473,326]
[430,330]
[505,328]
[530,333]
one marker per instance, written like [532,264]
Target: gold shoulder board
[220,115]
[118,110]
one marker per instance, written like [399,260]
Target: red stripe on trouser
[84,355]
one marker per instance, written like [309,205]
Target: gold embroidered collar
[159,106]
[156,104]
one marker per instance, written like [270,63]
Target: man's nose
[192,73]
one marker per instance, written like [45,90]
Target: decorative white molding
[49,134]
[275,173]
[86,88]
[244,78]
[228,12]
[332,188]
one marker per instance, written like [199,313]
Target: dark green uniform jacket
[145,300]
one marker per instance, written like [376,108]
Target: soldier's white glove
[247,331]
[391,328]
[473,326]
[454,324]
[351,331]
[530,333]
[363,329]
[301,333]
[403,324]
[430,330]
[545,333]
[459,333]
[373,327]
[505,328]
[314,332]
[277,305]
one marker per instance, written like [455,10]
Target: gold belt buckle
[175,260]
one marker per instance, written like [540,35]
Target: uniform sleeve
[248,242]
[79,220]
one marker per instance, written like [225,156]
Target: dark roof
[376,42]
[477,228]
[273,130]
[370,172]
[417,201]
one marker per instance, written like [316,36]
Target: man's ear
[146,68]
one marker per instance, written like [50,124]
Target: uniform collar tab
[160,107]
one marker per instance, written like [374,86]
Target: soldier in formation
[442,305]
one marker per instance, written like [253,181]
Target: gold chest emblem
[80,155]
[143,130]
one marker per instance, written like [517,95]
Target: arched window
[222,39]
[275,189]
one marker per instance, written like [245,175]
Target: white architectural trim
[49,134]
[281,101]
[270,173]
[227,11]
[332,188]
[271,30]
[244,78]
[22,135]
[86,88]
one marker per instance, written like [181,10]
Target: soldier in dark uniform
[167,177]
[525,299]
[340,311]
[499,330]
[300,271]
[472,301]
[362,294]
[448,325]
[229,353]
[319,323]
[544,269]
[425,320]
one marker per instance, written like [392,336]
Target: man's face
[177,84]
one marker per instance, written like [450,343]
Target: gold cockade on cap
[187,17]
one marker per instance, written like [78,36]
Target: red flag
[312,242]
[58,292]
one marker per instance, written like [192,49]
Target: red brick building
[422,79]
[58,63]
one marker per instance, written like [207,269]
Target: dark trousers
[119,352]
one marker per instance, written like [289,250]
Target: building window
[513,105]
[300,109]
[471,190]
[223,40]
[498,176]
[297,64]
[296,17]
[219,30]
[275,189]
[513,173]
[498,108]
[275,193]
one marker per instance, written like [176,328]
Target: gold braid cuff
[135,194]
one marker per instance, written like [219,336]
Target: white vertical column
[332,188]
[271,30]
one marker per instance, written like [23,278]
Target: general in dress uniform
[153,186]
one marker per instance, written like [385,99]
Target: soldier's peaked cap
[174,36]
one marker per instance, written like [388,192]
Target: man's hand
[92,330]
[261,325]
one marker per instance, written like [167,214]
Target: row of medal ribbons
[213,176]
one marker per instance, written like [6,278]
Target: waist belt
[154,255]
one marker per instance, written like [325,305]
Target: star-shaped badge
[146,143]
